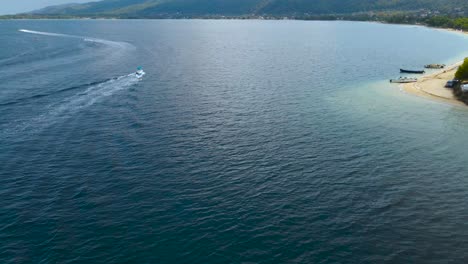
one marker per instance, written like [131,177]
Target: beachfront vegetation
[462,75]
[460,95]
[462,72]
[447,22]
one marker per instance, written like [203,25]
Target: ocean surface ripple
[245,142]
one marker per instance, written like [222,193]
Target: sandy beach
[432,86]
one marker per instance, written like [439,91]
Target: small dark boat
[411,71]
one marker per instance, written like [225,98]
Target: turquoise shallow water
[246,142]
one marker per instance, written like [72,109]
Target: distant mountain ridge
[149,8]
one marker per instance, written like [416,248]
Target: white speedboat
[139,73]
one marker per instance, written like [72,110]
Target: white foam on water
[43,33]
[71,105]
[87,39]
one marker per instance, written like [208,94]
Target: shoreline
[432,86]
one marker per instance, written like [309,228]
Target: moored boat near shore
[411,71]
[404,80]
[434,66]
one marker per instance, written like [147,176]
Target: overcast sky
[18,6]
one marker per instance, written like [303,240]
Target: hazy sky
[18,6]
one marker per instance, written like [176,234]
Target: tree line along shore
[432,19]
[420,17]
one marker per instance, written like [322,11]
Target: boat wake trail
[36,96]
[87,39]
[43,33]
[68,107]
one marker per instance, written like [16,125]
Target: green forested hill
[148,8]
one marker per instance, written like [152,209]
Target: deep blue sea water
[246,142]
